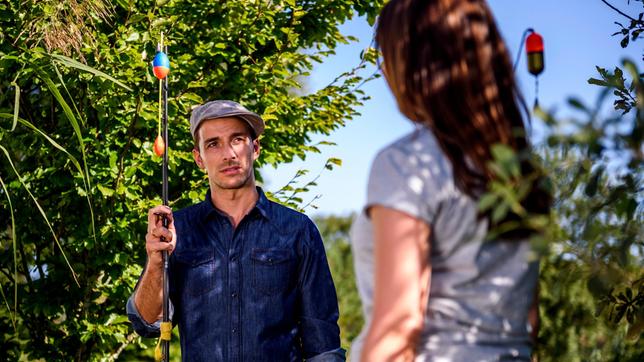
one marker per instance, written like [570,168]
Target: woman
[443,292]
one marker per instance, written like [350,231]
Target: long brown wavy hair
[449,69]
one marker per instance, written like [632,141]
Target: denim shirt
[259,292]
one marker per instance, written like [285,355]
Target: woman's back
[480,291]
[436,275]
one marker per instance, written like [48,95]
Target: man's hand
[158,237]
[148,297]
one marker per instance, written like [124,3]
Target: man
[249,280]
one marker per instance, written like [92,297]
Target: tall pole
[161,68]
[166,284]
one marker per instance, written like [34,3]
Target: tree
[335,233]
[598,237]
[591,281]
[77,165]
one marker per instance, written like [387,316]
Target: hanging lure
[536,62]
[160,64]
[161,69]
[159,146]
[534,49]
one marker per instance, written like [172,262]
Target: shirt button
[234,295]
[234,330]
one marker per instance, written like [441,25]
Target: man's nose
[229,152]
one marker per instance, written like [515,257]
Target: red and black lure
[536,61]
[534,49]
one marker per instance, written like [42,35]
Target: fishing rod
[161,69]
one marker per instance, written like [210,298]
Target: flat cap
[221,109]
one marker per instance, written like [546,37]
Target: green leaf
[16,106]
[499,171]
[591,187]
[335,161]
[62,82]
[500,212]
[137,18]
[576,103]
[123,4]
[487,201]
[632,70]
[502,152]
[133,36]
[72,120]
[106,191]
[14,240]
[78,65]
[112,163]
[269,117]
[194,98]
[598,82]
[637,326]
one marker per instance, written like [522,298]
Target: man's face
[226,152]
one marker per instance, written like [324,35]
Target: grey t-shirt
[480,291]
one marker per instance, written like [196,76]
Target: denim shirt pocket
[272,270]
[197,271]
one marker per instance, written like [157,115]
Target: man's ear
[197,156]
[256,148]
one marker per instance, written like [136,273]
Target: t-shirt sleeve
[404,182]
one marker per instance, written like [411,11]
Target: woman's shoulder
[417,152]
[418,144]
[411,175]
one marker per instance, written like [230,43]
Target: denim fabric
[260,292]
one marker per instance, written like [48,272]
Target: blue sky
[577,37]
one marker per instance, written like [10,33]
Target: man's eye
[212,144]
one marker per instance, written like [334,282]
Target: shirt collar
[206,208]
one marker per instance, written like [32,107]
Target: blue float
[161,65]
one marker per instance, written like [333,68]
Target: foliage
[335,233]
[598,167]
[592,243]
[81,141]
[634,28]
[569,328]
[290,194]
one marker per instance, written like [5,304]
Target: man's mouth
[230,170]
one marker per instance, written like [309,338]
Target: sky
[577,37]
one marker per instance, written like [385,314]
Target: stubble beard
[236,184]
[240,181]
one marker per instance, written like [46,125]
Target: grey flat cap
[221,109]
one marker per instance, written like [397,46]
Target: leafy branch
[634,29]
